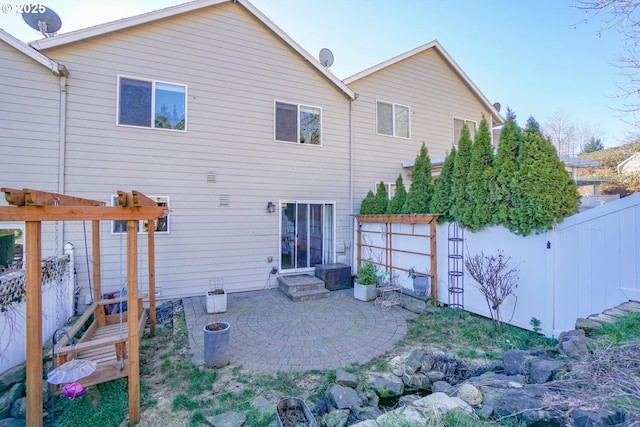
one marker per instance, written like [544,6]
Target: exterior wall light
[271,208]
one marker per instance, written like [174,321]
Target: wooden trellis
[33,207]
[388,221]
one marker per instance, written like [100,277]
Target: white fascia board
[57,69]
[497,118]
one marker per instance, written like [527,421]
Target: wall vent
[224,200]
[211,177]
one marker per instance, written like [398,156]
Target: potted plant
[216,344]
[364,288]
[420,282]
[216,298]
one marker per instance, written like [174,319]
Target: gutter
[62,143]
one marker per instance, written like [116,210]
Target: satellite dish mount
[42,19]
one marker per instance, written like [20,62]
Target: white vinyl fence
[590,262]
[57,306]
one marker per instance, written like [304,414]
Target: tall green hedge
[442,200]
[381,203]
[421,190]
[367,205]
[461,208]
[399,198]
[479,181]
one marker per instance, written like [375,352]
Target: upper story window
[457,129]
[298,123]
[393,119]
[152,104]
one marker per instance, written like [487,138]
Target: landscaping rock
[440,402]
[387,387]
[575,348]
[414,362]
[470,394]
[228,419]
[543,370]
[604,417]
[514,362]
[19,408]
[336,418]
[17,374]
[442,387]
[8,397]
[588,325]
[344,397]
[367,412]
[346,379]
[427,362]
[418,381]
[12,422]
[527,402]
[262,405]
[435,376]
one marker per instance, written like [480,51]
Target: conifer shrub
[367,205]
[442,200]
[399,198]
[381,202]
[421,189]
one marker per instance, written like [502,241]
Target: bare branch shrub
[495,280]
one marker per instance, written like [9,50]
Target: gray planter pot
[216,344]
[294,407]
[364,292]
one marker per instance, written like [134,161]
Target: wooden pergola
[33,207]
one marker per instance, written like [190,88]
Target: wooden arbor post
[33,207]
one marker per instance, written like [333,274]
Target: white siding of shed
[234,68]
[436,95]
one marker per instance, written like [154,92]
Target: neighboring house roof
[578,162]
[497,118]
[57,69]
[121,24]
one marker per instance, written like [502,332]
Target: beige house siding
[29,129]
[426,83]
[234,68]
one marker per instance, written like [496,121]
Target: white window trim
[153,103]
[298,105]
[114,198]
[393,117]
[391,189]
[453,127]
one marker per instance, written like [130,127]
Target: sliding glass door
[306,235]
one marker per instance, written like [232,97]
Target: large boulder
[542,370]
[346,379]
[8,397]
[344,397]
[387,386]
[11,376]
[515,362]
[528,403]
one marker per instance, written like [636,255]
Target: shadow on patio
[271,333]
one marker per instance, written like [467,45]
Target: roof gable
[57,69]
[497,118]
[121,24]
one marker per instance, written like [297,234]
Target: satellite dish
[326,57]
[42,19]
[497,106]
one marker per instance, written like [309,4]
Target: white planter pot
[364,292]
[216,303]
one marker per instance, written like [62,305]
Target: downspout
[62,143]
[352,231]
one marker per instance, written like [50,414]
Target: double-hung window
[457,129]
[152,104]
[298,123]
[393,119]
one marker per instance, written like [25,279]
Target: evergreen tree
[381,203]
[397,203]
[545,192]
[421,190]
[461,208]
[593,145]
[442,197]
[367,205]
[479,180]
[505,172]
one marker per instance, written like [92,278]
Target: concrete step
[302,287]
